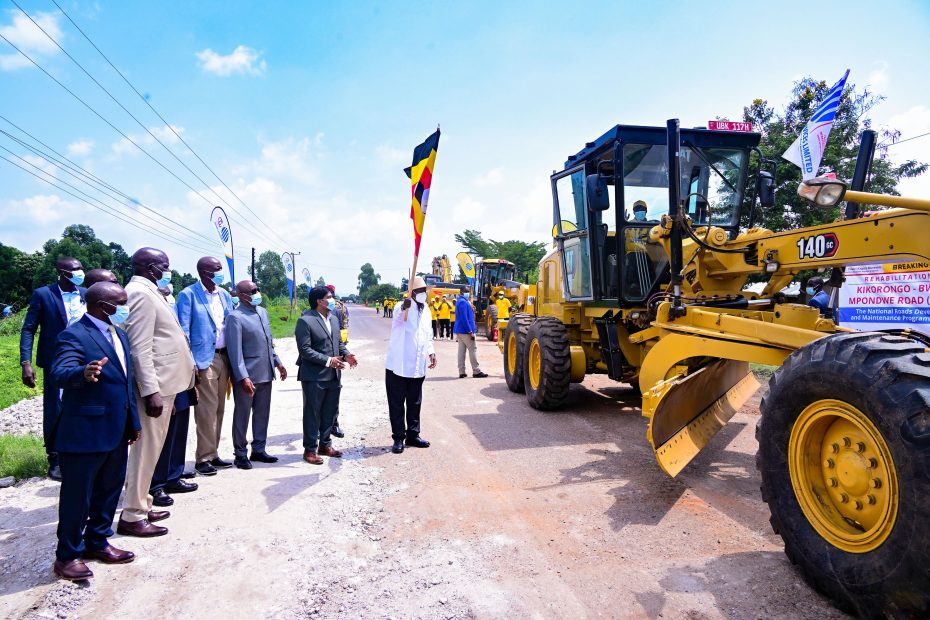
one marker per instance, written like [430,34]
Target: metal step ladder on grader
[645,283]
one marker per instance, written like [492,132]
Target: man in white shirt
[409,350]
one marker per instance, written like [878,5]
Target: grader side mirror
[597,192]
[765,189]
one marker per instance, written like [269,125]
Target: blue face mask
[165,278]
[466,295]
[331,305]
[218,278]
[77,277]
[810,290]
[257,299]
[119,317]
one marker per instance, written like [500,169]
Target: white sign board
[888,296]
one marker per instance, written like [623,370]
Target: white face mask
[420,297]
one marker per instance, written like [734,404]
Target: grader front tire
[547,364]
[491,323]
[514,345]
[844,449]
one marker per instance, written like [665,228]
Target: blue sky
[310,111]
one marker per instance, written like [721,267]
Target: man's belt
[223,350]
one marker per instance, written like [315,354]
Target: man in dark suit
[322,358]
[252,361]
[98,420]
[52,308]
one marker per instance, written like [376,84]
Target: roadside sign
[888,296]
[729,126]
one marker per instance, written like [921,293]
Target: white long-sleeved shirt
[411,342]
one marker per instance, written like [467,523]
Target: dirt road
[511,512]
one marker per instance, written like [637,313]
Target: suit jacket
[316,345]
[94,417]
[48,315]
[161,359]
[249,344]
[196,321]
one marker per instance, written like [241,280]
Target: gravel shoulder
[511,512]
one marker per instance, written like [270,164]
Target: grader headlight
[823,191]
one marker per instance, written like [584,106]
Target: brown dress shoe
[73,570]
[158,515]
[109,555]
[329,451]
[142,529]
[312,458]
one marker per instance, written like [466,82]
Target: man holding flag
[807,151]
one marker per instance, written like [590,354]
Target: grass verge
[22,456]
[12,389]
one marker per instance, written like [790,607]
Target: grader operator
[655,298]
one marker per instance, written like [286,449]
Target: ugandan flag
[420,174]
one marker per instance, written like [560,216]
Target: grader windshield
[607,252]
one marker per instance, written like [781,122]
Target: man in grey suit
[252,360]
[322,358]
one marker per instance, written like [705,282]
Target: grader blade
[686,412]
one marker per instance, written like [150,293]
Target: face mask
[810,290]
[77,277]
[420,297]
[218,278]
[466,295]
[121,314]
[331,305]
[639,216]
[257,299]
[165,278]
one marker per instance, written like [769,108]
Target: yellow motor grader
[645,284]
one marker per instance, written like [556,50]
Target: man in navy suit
[52,308]
[98,420]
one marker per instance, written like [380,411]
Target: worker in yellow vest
[451,318]
[434,308]
[503,306]
[445,312]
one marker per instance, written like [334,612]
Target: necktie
[118,347]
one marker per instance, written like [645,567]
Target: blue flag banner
[288,261]
[307,280]
[221,222]
[807,151]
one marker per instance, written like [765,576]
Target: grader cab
[493,277]
[645,283]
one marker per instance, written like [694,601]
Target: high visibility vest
[445,310]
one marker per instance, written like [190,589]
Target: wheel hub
[843,475]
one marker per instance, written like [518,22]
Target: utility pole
[254,277]
[294,275]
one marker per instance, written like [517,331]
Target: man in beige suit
[163,367]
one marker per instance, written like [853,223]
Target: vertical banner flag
[219,219]
[306,273]
[420,174]
[288,261]
[467,265]
[807,151]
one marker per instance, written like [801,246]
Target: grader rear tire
[514,345]
[491,323]
[844,455]
[547,364]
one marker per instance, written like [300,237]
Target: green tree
[381,291]
[269,274]
[78,241]
[320,282]
[780,129]
[302,292]
[367,278]
[525,256]
[16,276]
[122,263]
[181,281]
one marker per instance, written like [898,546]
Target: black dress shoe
[337,432]
[417,442]
[398,446]
[220,463]
[181,486]
[205,469]
[263,457]
[161,498]
[54,472]
[480,375]
[242,463]
[187,475]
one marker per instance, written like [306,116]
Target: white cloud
[26,36]
[41,209]
[878,79]
[242,60]
[293,159]
[491,178]
[164,133]
[387,154]
[81,148]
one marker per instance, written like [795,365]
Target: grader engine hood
[687,411]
